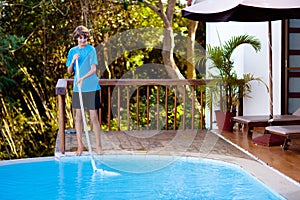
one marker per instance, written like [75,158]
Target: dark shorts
[91,100]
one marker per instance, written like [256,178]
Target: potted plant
[230,89]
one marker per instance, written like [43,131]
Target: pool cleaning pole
[84,120]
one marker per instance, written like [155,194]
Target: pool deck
[276,168]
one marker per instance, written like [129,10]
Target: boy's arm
[70,67]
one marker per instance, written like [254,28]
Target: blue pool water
[183,178]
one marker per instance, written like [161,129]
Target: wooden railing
[143,104]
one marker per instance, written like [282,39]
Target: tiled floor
[287,162]
[160,142]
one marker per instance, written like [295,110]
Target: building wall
[248,61]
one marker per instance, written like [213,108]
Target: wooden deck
[287,162]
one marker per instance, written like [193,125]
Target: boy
[87,61]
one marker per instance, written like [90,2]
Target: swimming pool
[183,178]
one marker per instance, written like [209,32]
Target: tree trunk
[191,73]
[168,43]
[167,54]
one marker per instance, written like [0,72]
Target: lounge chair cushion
[285,119]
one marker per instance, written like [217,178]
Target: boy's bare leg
[79,128]
[96,130]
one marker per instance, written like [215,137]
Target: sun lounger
[289,132]
[278,120]
[249,122]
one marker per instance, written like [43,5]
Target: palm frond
[236,41]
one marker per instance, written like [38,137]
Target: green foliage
[35,37]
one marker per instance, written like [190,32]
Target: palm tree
[226,82]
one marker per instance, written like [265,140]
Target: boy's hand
[79,82]
[75,57]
